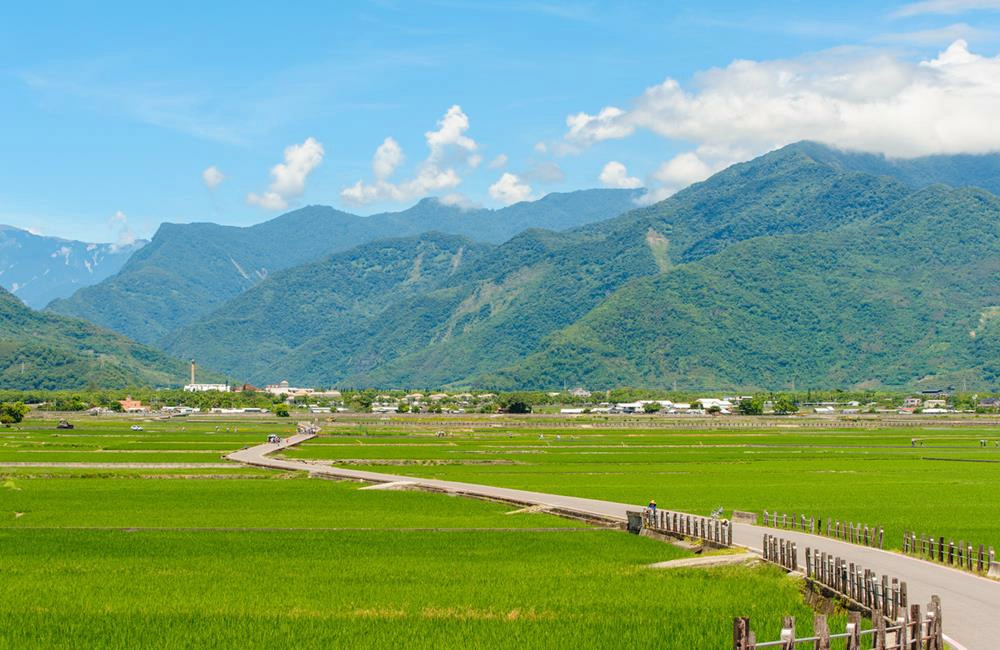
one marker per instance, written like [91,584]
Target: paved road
[971,604]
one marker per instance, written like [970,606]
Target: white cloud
[212,177]
[944,7]
[458,200]
[862,99]
[499,161]
[510,189]
[541,147]
[676,174]
[606,125]
[615,174]
[448,147]
[289,178]
[388,157]
[122,231]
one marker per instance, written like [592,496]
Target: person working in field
[652,509]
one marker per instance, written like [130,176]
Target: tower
[192,370]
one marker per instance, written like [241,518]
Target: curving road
[971,604]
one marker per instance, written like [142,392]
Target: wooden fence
[961,555]
[896,624]
[782,552]
[912,632]
[717,532]
[855,533]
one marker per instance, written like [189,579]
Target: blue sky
[112,115]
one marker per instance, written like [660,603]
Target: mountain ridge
[187,270]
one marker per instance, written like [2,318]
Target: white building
[204,388]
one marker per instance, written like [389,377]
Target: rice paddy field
[117,538]
[931,478]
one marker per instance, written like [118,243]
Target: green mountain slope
[186,271]
[909,298]
[504,301]
[962,170]
[46,351]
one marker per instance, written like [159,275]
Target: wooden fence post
[788,633]
[938,624]
[878,620]
[941,549]
[742,634]
[822,631]
[916,638]
[853,631]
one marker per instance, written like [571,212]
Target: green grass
[871,476]
[103,589]
[150,556]
[293,503]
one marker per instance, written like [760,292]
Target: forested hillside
[188,270]
[501,304]
[910,298]
[46,351]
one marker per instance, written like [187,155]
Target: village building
[130,405]
[205,388]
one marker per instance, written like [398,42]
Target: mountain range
[808,266]
[793,268]
[39,269]
[46,351]
[187,270]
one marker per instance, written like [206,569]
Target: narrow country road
[971,604]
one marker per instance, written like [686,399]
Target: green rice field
[946,484]
[113,538]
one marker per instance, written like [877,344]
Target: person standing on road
[652,509]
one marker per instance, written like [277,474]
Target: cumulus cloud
[944,7]
[123,234]
[861,99]
[388,157]
[212,177]
[448,147]
[510,189]
[288,179]
[499,161]
[615,174]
